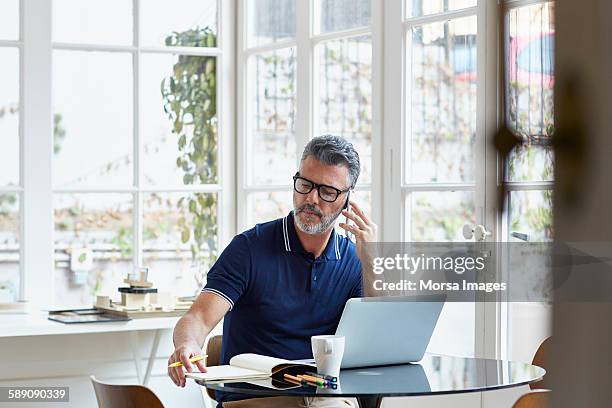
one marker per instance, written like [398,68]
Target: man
[284,281]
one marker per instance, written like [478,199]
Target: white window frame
[37,226]
[306,126]
[18,189]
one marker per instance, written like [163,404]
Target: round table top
[434,374]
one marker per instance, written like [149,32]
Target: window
[529,35]
[440,144]
[302,78]
[137,161]
[529,79]
[11,189]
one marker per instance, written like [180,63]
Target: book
[243,367]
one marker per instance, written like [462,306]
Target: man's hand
[364,230]
[184,353]
[207,310]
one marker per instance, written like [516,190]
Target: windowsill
[37,324]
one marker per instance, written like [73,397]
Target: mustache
[310,207]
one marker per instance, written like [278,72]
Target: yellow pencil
[191,360]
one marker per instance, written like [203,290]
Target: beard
[326,221]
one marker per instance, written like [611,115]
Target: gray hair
[335,150]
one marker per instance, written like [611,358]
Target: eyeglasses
[326,193]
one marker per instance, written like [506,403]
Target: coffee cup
[328,351]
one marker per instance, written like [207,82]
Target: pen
[298,380]
[191,360]
[319,381]
[325,377]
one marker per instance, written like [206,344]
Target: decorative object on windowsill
[81,262]
[141,299]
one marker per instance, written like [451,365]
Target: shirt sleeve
[229,276]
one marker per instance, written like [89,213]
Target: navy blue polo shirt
[279,294]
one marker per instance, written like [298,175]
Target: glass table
[433,375]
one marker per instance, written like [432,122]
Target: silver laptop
[388,330]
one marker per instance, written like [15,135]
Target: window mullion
[303,121]
[37,143]
[137,215]
[393,121]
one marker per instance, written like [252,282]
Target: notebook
[251,367]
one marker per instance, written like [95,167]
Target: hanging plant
[189,98]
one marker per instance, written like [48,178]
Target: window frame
[18,189]
[37,267]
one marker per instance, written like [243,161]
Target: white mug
[328,351]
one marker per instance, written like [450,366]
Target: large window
[301,78]
[137,168]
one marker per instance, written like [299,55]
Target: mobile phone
[346,207]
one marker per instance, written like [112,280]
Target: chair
[540,359]
[124,396]
[213,350]
[535,399]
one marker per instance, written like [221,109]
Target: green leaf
[185,234]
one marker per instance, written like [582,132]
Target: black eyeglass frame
[314,185]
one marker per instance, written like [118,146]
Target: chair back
[540,359]
[535,399]
[124,396]
[213,350]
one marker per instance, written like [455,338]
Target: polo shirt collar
[292,243]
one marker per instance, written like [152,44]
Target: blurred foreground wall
[581,359]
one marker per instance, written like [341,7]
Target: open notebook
[251,367]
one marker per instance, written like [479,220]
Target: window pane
[438,216]
[531,213]
[179,239]
[441,122]
[172,154]
[93,22]
[270,21]
[345,95]
[531,163]
[337,15]
[93,240]
[9,116]
[267,206]
[9,247]
[161,19]
[9,20]
[92,98]
[457,322]
[271,149]
[417,8]
[529,90]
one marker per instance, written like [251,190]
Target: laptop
[388,330]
